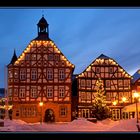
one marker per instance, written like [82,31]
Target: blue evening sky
[82,34]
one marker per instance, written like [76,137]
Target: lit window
[33,92]
[16,74]
[33,74]
[50,74]
[10,74]
[97,70]
[63,111]
[61,92]
[61,74]
[22,93]
[49,92]
[22,74]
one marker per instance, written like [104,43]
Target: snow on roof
[136,76]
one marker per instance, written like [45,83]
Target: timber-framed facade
[117,84]
[41,74]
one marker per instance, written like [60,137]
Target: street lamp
[114,103]
[113,111]
[123,100]
[136,95]
[41,105]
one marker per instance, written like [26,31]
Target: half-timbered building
[116,83]
[135,82]
[40,81]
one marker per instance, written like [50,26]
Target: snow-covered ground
[81,124]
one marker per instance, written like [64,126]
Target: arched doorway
[49,116]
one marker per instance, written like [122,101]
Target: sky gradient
[81,34]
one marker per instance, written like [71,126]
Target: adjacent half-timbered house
[116,85]
[41,74]
[135,82]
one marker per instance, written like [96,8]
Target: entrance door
[49,116]
[85,113]
[116,114]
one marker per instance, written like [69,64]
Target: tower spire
[43,29]
[14,58]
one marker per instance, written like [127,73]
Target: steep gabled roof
[43,21]
[14,58]
[136,76]
[102,56]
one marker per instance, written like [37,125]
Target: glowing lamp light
[41,104]
[114,103]
[123,99]
[136,95]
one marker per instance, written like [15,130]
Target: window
[33,92]
[56,57]
[61,74]
[17,113]
[126,83]
[89,96]
[22,74]
[27,57]
[28,111]
[49,92]
[63,111]
[50,57]
[107,83]
[10,92]
[83,96]
[33,74]
[110,70]
[88,83]
[120,83]
[15,91]
[33,56]
[49,74]
[82,82]
[16,74]
[108,96]
[121,95]
[22,93]
[97,70]
[10,74]
[61,92]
